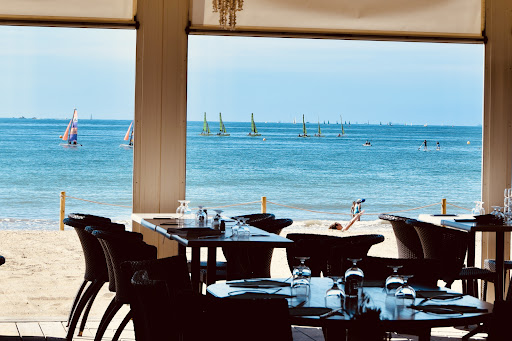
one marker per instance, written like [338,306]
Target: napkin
[448,309]
[437,294]
[264,283]
[259,295]
[308,311]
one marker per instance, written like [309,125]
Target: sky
[47,72]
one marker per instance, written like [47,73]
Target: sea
[313,178]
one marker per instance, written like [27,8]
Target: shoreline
[44,269]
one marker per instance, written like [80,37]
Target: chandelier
[227,12]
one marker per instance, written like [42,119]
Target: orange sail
[66,133]
[127,136]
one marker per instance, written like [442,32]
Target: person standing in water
[424,145]
[438,147]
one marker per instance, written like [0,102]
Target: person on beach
[352,209]
[357,209]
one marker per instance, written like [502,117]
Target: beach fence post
[62,210]
[443,206]
[263,204]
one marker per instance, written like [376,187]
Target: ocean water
[322,174]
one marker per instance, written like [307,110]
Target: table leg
[181,249]
[211,266]
[471,249]
[500,254]
[425,336]
[195,269]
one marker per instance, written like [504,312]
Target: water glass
[335,296]
[201,216]
[405,294]
[394,281]
[244,231]
[183,209]
[216,219]
[302,270]
[354,279]
[478,209]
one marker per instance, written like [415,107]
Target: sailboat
[304,131]
[128,137]
[71,133]
[206,128]
[254,131]
[319,133]
[342,129]
[222,127]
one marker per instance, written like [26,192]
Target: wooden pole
[62,210]
[263,204]
[443,206]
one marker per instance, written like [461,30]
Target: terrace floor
[55,330]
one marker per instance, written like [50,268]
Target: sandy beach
[44,269]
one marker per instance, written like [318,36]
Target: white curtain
[118,10]
[453,18]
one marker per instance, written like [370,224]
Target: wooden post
[443,206]
[263,204]
[62,210]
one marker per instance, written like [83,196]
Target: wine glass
[201,217]
[301,276]
[495,211]
[394,281]
[244,231]
[335,296]
[478,209]
[354,277]
[216,219]
[235,228]
[405,294]
[302,269]
[183,209]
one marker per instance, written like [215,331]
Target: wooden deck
[55,330]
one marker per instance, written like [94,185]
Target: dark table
[500,230]
[258,238]
[394,317]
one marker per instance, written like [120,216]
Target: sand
[44,269]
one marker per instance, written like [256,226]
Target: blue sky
[47,72]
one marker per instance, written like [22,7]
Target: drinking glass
[354,279]
[216,219]
[201,217]
[478,209]
[301,276]
[495,210]
[335,296]
[394,281]
[244,231]
[183,209]
[235,228]
[302,269]
[405,294]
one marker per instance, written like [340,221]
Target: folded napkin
[259,295]
[448,309]
[437,294]
[308,311]
[264,283]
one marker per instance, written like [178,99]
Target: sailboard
[254,131]
[128,137]
[206,128]
[71,133]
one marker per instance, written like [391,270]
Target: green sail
[304,131]
[253,126]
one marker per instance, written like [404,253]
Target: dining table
[189,233]
[471,226]
[433,306]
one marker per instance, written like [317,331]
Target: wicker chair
[95,266]
[154,316]
[254,262]
[450,246]
[407,239]
[328,254]
[118,248]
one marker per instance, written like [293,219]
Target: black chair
[254,262]
[154,316]
[490,264]
[2,260]
[328,254]
[450,246]
[119,248]
[498,327]
[407,239]
[166,312]
[95,267]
